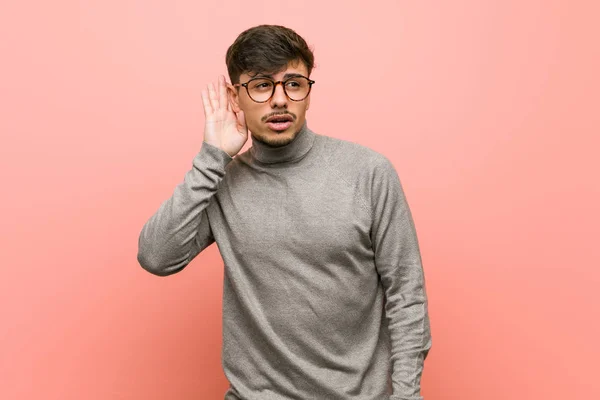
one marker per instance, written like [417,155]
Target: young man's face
[257,114]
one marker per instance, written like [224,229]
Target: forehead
[293,67]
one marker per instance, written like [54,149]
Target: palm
[223,127]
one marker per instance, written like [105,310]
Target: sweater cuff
[212,155]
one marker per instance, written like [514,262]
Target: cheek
[250,108]
[253,114]
[301,109]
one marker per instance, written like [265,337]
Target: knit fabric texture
[324,292]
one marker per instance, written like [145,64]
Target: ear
[233,96]
[307,103]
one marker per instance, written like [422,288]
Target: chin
[276,139]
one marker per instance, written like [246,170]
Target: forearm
[398,262]
[167,239]
[410,334]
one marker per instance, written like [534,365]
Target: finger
[206,102]
[212,94]
[223,100]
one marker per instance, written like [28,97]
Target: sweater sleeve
[398,263]
[179,230]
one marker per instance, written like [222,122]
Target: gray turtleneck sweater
[324,294]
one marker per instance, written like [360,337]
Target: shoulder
[354,159]
[370,172]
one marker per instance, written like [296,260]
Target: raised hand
[223,127]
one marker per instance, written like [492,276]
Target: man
[324,294]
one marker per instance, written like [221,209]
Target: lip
[280,118]
[279,126]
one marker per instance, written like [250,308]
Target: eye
[261,85]
[293,84]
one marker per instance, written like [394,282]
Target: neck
[292,151]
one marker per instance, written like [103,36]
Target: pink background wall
[488,109]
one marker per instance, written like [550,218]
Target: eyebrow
[286,76]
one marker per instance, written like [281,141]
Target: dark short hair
[266,49]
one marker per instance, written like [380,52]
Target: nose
[279,99]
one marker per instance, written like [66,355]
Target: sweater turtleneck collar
[294,150]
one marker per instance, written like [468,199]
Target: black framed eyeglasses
[296,88]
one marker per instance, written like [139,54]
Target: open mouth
[279,122]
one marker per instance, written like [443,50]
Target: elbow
[154,261]
[157,267]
